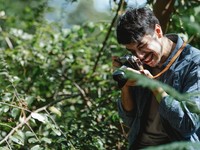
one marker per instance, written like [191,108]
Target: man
[154,117]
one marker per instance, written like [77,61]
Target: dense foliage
[51,94]
[56,86]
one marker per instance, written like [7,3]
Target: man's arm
[127,98]
[178,113]
[159,94]
[127,93]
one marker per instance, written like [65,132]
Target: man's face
[148,50]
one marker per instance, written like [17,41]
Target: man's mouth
[148,58]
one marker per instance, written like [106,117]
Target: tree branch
[83,95]
[163,10]
[29,117]
[108,34]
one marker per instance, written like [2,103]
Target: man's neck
[168,47]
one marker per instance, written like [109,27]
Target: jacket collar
[179,42]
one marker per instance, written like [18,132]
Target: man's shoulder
[191,53]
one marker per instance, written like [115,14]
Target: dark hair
[134,24]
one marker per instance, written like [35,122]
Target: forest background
[56,85]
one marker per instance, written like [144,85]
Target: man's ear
[158,30]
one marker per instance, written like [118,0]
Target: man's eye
[141,45]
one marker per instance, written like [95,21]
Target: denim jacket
[184,76]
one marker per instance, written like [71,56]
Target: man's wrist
[159,93]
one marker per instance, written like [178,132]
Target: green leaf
[56,131]
[7,96]
[29,134]
[5,109]
[192,106]
[153,84]
[55,110]
[32,140]
[39,117]
[36,147]
[15,112]
[17,139]
[5,148]
[29,100]
[46,140]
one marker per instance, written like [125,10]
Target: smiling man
[152,119]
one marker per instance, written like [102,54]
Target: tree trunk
[163,10]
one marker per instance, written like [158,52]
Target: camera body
[128,61]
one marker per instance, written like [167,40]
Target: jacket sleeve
[183,115]
[141,96]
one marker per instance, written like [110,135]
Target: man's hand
[132,82]
[115,63]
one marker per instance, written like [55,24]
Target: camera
[128,61]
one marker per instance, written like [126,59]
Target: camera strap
[171,62]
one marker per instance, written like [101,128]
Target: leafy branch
[120,6]
[26,120]
[154,84]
